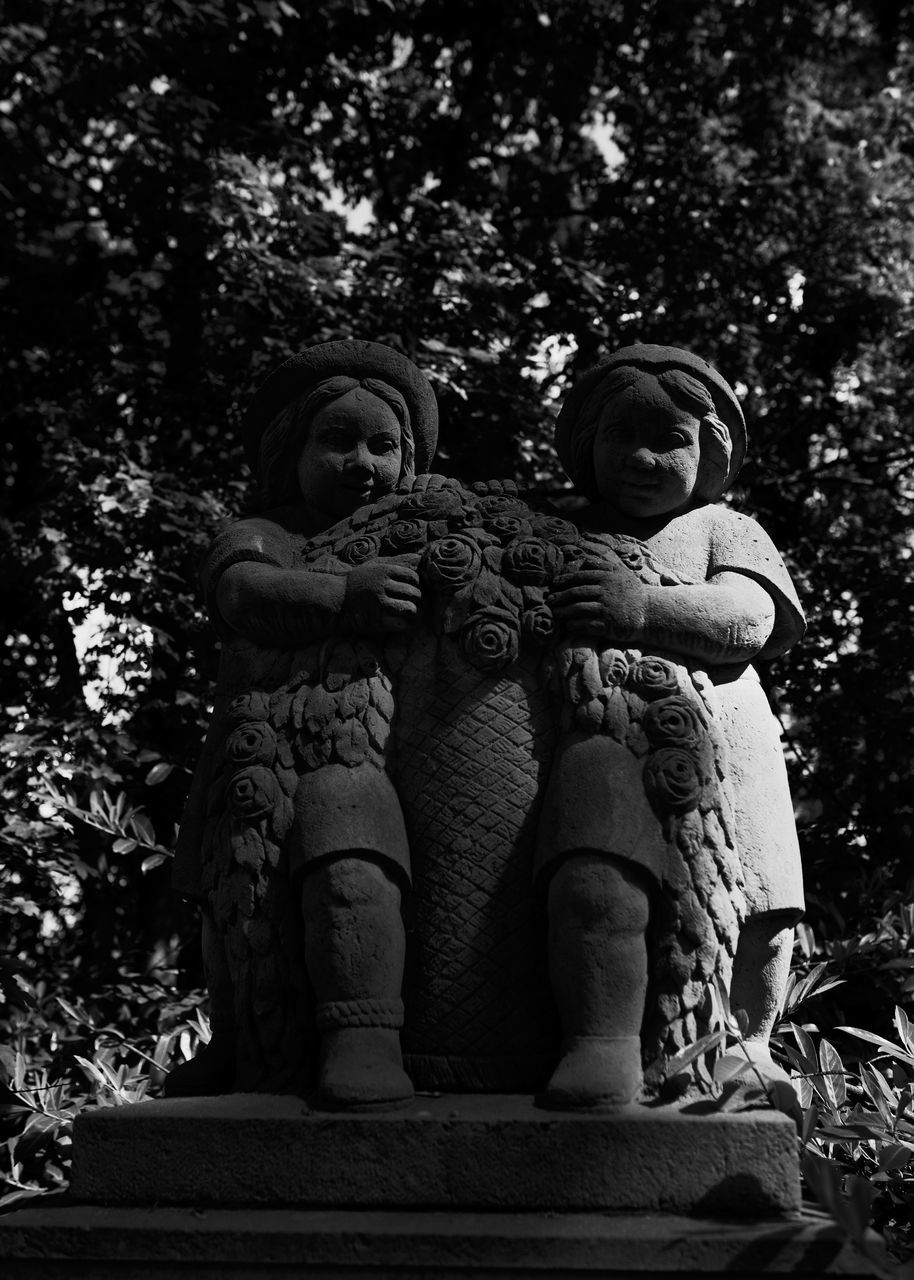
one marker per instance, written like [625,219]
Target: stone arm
[286,607]
[725,620]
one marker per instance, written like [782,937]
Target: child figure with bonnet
[336,428]
[653,437]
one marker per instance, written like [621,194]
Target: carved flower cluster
[260,810]
[485,562]
[639,700]
[251,749]
[674,773]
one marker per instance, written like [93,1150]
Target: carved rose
[531,562]
[672,722]
[450,563]
[505,527]
[631,558]
[499,504]
[358,550]
[467,517]
[554,528]
[249,706]
[253,792]
[252,743]
[573,554]
[404,535]
[614,666]
[489,640]
[435,504]
[538,625]
[672,781]
[654,678]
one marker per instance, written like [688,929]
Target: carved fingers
[427,483]
[383,595]
[599,602]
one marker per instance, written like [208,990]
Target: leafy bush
[857,1126]
[854,1114]
[59,1056]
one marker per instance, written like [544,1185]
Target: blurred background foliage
[192,191]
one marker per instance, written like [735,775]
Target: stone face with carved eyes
[646,453]
[352,455]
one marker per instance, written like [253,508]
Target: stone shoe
[596,1073]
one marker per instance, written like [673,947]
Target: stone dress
[695,546]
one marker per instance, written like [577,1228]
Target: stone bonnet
[354,359]
[655,360]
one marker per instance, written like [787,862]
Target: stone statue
[653,437]
[463,819]
[334,429]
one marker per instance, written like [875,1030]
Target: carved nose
[643,459]
[359,461]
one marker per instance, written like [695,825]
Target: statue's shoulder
[294,521]
[273,535]
[719,534]
[740,544]
[724,519]
[738,540]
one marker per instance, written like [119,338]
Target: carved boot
[355,945]
[361,1067]
[598,914]
[596,1073]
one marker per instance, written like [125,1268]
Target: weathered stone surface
[50,1242]
[471,1151]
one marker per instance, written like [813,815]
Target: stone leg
[212,1069]
[355,945]
[760,971]
[598,914]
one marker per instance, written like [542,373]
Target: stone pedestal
[472,1151]
[90,1243]
[458,1185]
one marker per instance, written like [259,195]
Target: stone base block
[485,1152]
[68,1242]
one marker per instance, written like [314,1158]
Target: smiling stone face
[352,456]
[646,452]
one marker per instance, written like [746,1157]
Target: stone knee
[599,909]
[350,884]
[599,892]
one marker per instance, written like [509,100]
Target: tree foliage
[193,191]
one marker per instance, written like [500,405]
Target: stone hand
[383,595]
[600,602]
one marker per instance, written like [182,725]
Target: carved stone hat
[353,359]
[656,360]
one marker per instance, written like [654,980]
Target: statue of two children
[652,438]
